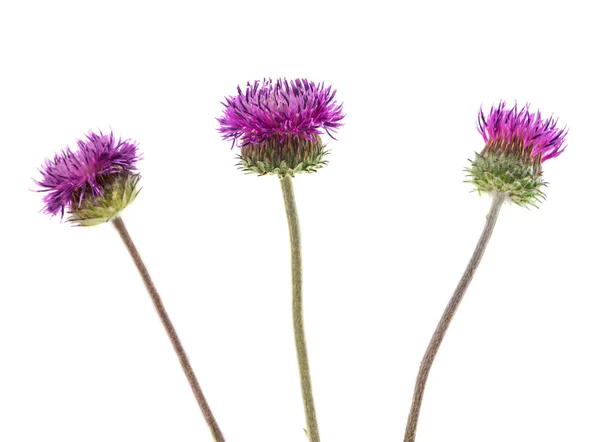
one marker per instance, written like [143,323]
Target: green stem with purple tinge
[312,429]
[168,325]
[436,340]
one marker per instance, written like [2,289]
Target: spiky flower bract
[278,125]
[93,183]
[517,143]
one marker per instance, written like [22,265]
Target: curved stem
[436,340]
[168,325]
[298,318]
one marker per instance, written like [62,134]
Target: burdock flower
[510,169]
[94,183]
[517,143]
[278,127]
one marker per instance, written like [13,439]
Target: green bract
[119,191]
[517,176]
[287,158]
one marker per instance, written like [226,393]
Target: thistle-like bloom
[517,142]
[278,125]
[93,183]
[509,168]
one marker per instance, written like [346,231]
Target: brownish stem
[168,325]
[436,340]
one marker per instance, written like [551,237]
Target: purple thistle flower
[281,109]
[517,142]
[73,174]
[522,130]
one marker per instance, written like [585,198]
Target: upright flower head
[517,143]
[93,183]
[278,125]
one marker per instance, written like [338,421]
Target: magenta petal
[296,108]
[537,135]
[73,171]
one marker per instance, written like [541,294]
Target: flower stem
[168,325]
[436,340]
[298,318]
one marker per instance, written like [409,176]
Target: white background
[387,226]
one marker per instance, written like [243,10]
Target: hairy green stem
[168,325]
[436,340]
[298,317]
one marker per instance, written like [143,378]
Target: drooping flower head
[278,125]
[93,183]
[517,142]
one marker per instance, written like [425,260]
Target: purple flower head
[281,109]
[521,130]
[73,174]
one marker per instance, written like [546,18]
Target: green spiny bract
[518,176]
[118,191]
[287,158]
